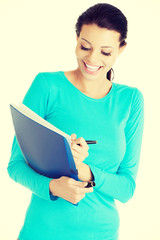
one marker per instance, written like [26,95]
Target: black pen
[89,142]
[91,184]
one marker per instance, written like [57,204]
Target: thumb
[78,183]
[83,184]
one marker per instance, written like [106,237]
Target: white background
[37,36]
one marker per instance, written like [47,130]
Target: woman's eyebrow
[91,44]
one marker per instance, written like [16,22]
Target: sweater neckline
[84,95]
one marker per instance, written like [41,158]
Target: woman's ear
[76,37]
[121,49]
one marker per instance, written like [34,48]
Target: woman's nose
[92,57]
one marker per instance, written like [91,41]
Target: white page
[35,117]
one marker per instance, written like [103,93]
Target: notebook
[46,148]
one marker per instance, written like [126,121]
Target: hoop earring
[112,74]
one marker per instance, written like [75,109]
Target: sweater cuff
[50,195]
[98,176]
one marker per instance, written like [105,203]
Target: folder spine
[72,166]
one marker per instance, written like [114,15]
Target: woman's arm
[84,172]
[49,189]
[121,185]
[20,172]
[36,99]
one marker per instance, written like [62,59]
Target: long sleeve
[116,122]
[36,99]
[121,185]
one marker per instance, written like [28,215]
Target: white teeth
[92,68]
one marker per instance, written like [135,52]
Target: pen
[91,184]
[89,142]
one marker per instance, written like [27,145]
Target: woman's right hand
[69,189]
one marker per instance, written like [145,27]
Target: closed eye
[106,54]
[86,49]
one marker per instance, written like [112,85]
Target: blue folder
[45,151]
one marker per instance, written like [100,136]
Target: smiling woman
[96,51]
[106,17]
[85,104]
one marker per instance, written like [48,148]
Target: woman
[87,105]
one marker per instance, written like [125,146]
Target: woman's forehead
[99,36]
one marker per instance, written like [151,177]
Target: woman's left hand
[79,152]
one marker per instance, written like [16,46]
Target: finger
[82,187]
[82,142]
[73,137]
[79,183]
[75,147]
[79,149]
[78,156]
[89,190]
[74,182]
[86,190]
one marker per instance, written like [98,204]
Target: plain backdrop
[37,36]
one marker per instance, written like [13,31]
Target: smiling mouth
[91,68]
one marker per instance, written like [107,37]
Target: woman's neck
[92,88]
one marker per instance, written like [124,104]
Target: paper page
[35,117]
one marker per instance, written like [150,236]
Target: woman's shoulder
[49,77]
[126,90]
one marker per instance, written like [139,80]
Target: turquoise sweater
[116,122]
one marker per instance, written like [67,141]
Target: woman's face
[96,51]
